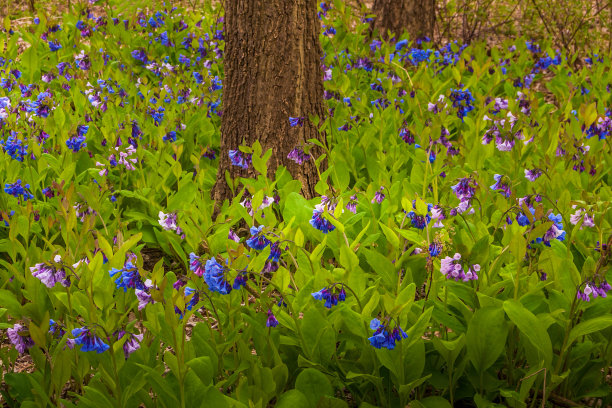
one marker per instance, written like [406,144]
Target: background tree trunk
[415,16]
[272,71]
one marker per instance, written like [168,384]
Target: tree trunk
[272,72]
[415,16]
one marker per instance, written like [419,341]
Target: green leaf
[313,384]
[381,266]
[590,326]
[486,337]
[531,327]
[202,366]
[293,399]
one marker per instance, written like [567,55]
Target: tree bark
[272,72]
[415,16]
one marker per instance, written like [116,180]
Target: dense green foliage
[463,240]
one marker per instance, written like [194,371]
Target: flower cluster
[501,185]
[169,222]
[452,269]
[319,221]
[331,295]
[587,220]
[212,272]
[19,336]
[384,336]
[89,340]
[462,100]
[240,159]
[51,273]
[591,289]
[18,191]
[129,277]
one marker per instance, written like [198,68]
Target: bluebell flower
[14,147]
[54,45]
[298,121]
[214,276]
[240,281]
[88,340]
[331,296]
[140,55]
[258,240]
[271,321]
[129,277]
[195,297]
[82,130]
[502,187]
[319,222]
[18,191]
[401,44]
[19,337]
[462,100]
[383,337]
[240,159]
[75,143]
[170,137]
[419,221]
[198,77]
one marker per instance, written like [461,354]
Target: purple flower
[271,321]
[464,189]
[51,273]
[587,219]
[19,336]
[298,155]
[532,175]
[379,196]
[143,296]
[352,204]
[499,185]
[131,344]
[237,158]
[452,269]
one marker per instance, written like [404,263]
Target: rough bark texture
[415,16]
[272,71]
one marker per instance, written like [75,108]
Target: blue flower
[237,158]
[17,190]
[319,222]
[401,44]
[170,136]
[128,277]
[328,296]
[90,342]
[75,143]
[293,122]
[240,281]
[214,276]
[14,147]
[54,45]
[258,240]
[198,77]
[383,337]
